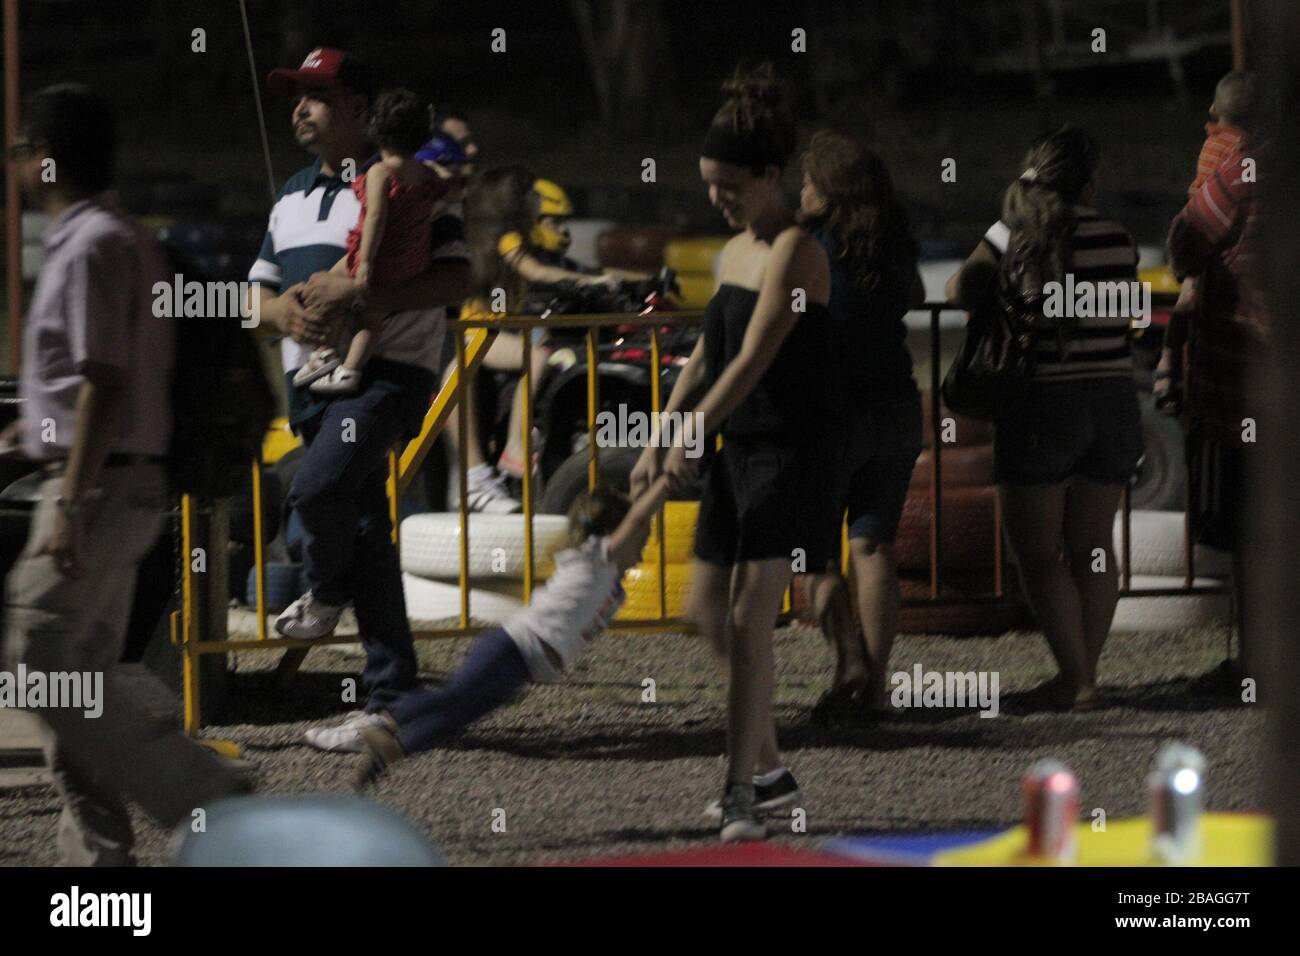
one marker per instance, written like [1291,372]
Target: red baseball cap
[324,68]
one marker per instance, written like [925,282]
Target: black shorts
[1089,429]
[884,443]
[768,500]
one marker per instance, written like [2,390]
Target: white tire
[1156,547]
[583,235]
[1136,614]
[431,604]
[430,545]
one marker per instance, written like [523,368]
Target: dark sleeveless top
[876,366]
[796,401]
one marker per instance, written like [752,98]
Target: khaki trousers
[73,625]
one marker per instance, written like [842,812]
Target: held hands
[680,470]
[645,471]
[328,296]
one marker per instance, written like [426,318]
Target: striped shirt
[1214,238]
[1102,251]
[1221,139]
[308,233]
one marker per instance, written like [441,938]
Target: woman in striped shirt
[1063,457]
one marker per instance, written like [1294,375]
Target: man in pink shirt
[95,385]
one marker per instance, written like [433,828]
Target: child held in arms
[390,242]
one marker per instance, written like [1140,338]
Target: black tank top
[795,402]
[877,366]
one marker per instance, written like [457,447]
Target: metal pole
[1238,34]
[13,202]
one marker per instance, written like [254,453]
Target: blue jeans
[340,495]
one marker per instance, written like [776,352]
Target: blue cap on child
[441,149]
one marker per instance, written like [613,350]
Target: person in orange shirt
[1230,116]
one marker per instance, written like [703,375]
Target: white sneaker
[485,492]
[344,738]
[341,381]
[320,363]
[740,821]
[308,618]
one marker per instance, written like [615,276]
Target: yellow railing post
[593,406]
[259,556]
[189,653]
[526,383]
[656,406]
[463,384]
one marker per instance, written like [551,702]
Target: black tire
[616,464]
[570,479]
[1162,472]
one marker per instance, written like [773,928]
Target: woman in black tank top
[763,375]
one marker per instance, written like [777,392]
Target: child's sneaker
[380,750]
[341,381]
[320,363]
[770,799]
[740,821]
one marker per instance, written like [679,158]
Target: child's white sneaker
[341,381]
[320,363]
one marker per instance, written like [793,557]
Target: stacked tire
[1157,556]
[430,552]
[967,535]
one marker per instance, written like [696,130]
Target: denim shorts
[883,445]
[1089,429]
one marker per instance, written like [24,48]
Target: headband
[752,149]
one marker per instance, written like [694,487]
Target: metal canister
[1051,810]
[1177,786]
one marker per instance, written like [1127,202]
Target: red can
[1051,810]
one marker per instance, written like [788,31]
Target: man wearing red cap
[339,490]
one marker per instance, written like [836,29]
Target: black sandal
[846,705]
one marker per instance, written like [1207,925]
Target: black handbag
[992,372]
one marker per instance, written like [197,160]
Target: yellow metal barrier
[473,338]
[403,467]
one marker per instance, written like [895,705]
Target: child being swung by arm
[541,643]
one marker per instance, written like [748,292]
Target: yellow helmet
[554,201]
[549,232]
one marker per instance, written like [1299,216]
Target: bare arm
[968,284]
[685,392]
[372,229]
[285,314]
[100,416]
[536,271]
[629,538]
[795,263]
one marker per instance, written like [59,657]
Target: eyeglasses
[22,150]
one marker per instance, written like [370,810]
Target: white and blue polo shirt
[308,233]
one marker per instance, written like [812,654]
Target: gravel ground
[587,769]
